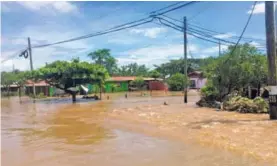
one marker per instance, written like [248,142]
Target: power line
[211,31]
[178,7]
[246,25]
[179,28]
[95,34]
[117,28]
[221,33]
[200,12]
[177,3]
[13,55]
[202,36]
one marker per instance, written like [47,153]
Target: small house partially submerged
[197,80]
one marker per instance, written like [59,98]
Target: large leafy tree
[103,57]
[246,66]
[67,75]
[177,82]
[175,66]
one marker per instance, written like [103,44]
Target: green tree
[177,82]
[154,74]
[132,69]
[138,82]
[245,67]
[103,57]
[67,75]
[175,66]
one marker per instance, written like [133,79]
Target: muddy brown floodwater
[137,131]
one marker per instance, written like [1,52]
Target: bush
[209,92]
[263,105]
[245,105]
[176,82]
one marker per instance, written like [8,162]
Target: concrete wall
[199,82]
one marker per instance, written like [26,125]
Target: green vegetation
[138,83]
[177,82]
[245,105]
[245,67]
[67,75]
[229,74]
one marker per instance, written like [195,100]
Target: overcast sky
[46,22]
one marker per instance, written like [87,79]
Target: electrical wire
[211,31]
[13,55]
[178,7]
[200,12]
[177,3]
[117,28]
[95,34]
[245,27]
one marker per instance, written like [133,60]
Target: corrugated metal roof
[39,83]
[129,78]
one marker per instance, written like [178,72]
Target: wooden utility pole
[31,64]
[185,62]
[271,57]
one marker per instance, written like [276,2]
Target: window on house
[192,84]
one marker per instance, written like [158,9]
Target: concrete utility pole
[31,64]
[185,62]
[271,57]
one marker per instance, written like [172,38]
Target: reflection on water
[66,134]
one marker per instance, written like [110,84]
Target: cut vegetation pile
[245,105]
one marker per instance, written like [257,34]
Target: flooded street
[134,131]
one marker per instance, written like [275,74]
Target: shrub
[209,92]
[176,82]
[245,105]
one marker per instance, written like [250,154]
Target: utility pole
[185,62]
[271,58]
[31,64]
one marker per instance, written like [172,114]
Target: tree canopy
[67,75]
[103,57]
[245,67]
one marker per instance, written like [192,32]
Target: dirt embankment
[246,134]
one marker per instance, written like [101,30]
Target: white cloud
[224,36]
[259,8]
[50,6]
[153,55]
[64,51]
[4,7]
[212,50]
[149,32]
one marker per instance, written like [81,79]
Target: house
[122,83]
[197,80]
[40,87]
[12,88]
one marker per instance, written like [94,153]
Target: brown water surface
[59,133]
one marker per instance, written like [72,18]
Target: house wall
[199,82]
[121,86]
[157,85]
[39,89]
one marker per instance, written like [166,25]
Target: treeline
[245,67]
